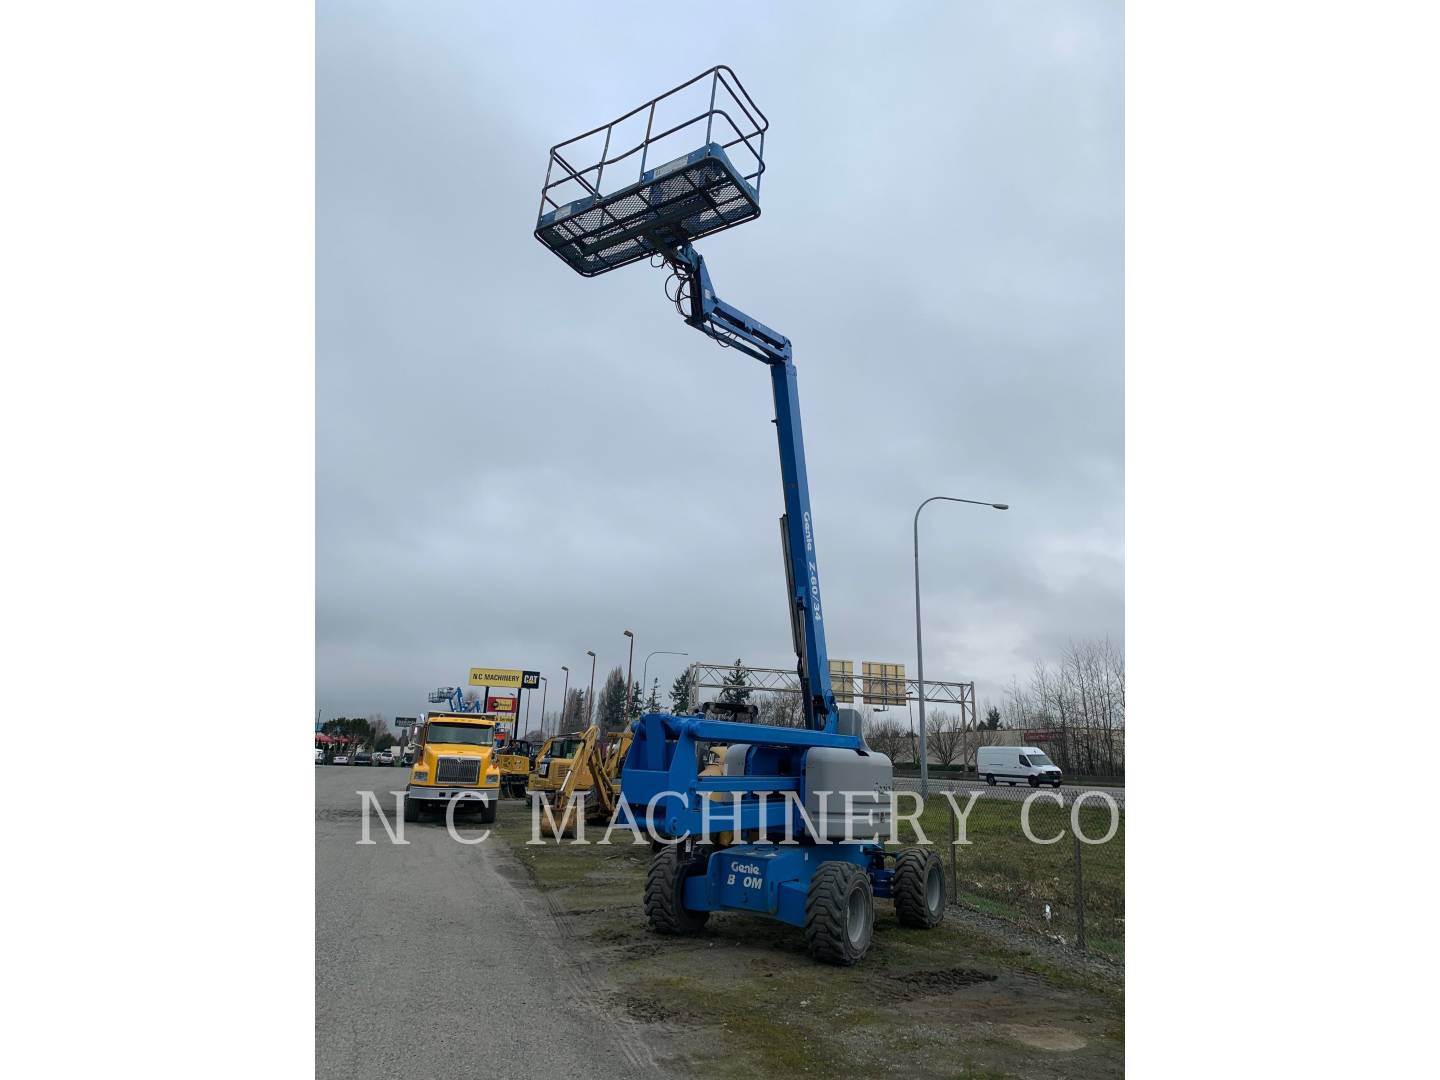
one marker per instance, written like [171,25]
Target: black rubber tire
[833,888]
[1034,781]
[990,780]
[487,815]
[664,890]
[917,904]
[412,809]
[1056,785]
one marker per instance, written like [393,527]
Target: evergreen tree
[735,688]
[611,701]
[992,718]
[681,699]
[637,704]
[573,713]
[652,703]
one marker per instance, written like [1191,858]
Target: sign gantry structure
[867,688]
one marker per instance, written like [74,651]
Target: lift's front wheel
[665,894]
[919,888]
[839,913]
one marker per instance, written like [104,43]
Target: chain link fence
[1052,861]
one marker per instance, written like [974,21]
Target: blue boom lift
[803,809]
[454,697]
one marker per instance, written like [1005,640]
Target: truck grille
[456,770]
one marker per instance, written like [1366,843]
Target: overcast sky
[515,463]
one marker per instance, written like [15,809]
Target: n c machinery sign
[510,677]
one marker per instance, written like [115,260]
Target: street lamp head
[589,652]
[1001,506]
[629,634]
[564,668]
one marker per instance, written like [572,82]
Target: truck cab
[454,760]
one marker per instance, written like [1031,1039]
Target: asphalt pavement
[430,961]
[1067,790]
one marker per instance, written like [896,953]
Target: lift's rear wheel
[919,888]
[839,913]
[665,891]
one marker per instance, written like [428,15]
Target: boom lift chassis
[778,781]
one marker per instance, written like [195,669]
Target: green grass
[744,999]
[1001,872]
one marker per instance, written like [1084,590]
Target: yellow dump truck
[454,760]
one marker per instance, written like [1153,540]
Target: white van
[1011,764]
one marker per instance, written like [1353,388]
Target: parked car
[319,756]
[1011,764]
[362,757]
[341,758]
[384,757]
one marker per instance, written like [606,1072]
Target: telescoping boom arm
[732,327]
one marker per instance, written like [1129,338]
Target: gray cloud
[515,463]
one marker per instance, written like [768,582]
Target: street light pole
[564,702]
[544,693]
[919,646]
[645,667]
[629,675]
[590,701]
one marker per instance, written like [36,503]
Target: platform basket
[618,205]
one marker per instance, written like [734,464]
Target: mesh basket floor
[691,197]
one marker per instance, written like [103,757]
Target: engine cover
[865,775]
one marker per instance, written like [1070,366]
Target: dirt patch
[1046,1038]
[914,984]
[649,1010]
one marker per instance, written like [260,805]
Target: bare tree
[886,735]
[943,736]
[1080,704]
[780,710]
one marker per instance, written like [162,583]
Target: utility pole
[629,674]
[645,667]
[924,754]
[564,702]
[590,700]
